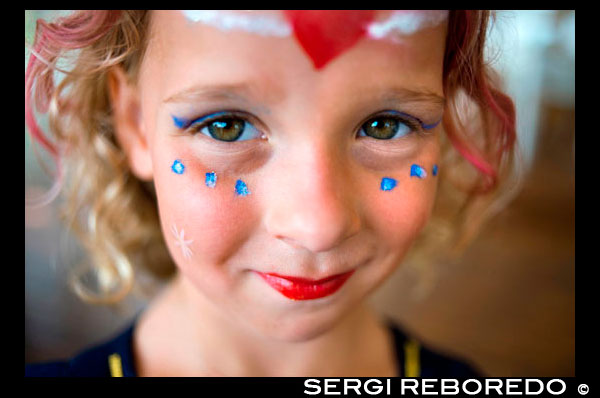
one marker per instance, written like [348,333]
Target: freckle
[241,189]
[435,170]
[211,179]
[417,171]
[177,167]
[387,184]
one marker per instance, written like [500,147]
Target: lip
[305,289]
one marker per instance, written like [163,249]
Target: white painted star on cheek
[181,242]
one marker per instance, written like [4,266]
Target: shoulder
[418,360]
[110,358]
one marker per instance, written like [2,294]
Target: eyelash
[195,125]
[415,125]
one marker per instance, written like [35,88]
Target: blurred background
[508,305]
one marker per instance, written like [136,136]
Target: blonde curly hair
[115,215]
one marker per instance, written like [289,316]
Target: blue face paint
[183,123]
[180,122]
[211,180]
[387,184]
[417,171]
[430,126]
[177,167]
[435,170]
[421,123]
[241,189]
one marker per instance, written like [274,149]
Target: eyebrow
[227,92]
[243,92]
[402,94]
[232,92]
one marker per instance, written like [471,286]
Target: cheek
[398,215]
[402,213]
[215,218]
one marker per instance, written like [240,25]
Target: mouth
[305,289]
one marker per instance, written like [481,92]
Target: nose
[311,203]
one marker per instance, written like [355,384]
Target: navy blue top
[115,358]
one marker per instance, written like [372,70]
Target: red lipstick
[305,289]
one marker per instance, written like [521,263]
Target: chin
[302,332]
[298,328]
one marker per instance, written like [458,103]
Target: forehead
[240,45]
[377,24]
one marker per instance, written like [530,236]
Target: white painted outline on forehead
[399,23]
[405,22]
[265,25]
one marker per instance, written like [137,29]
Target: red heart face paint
[323,34]
[326,34]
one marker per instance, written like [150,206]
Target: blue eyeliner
[429,126]
[435,170]
[183,123]
[416,119]
[180,122]
[387,184]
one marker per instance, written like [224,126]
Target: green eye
[226,129]
[222,126]
[391,125]
[382,128]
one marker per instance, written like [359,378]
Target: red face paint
[326,34]
[305,289]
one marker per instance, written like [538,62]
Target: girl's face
[265,165]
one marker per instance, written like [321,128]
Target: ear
[127,122]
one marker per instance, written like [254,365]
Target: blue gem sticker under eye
[417,171]
[241,189]
[211,180]
[177,167]
[387,184]
[435,170]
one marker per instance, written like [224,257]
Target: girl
[276,167]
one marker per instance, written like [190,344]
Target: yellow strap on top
[115,365]
[412,362]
